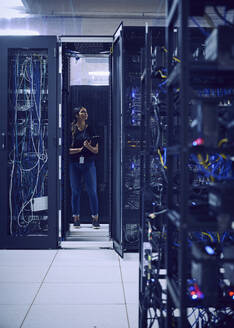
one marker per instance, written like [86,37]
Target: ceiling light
[12,9]
[18,32]
[100,73]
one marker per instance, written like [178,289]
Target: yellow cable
[176,59]
[200,159]
[224,156]
[222,141]
[162,75]
[218,237]
[206,234]
[161,159]
[202,162]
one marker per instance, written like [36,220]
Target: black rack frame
[153,37]
[178,13]
[51,240]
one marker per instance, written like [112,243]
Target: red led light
[231,293]
[198,142]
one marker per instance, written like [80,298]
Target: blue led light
[194,297]
[209,250]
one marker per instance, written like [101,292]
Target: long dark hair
[74,128]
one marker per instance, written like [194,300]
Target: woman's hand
[90,148]
[73,151]
[87,144]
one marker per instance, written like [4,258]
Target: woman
[84,148]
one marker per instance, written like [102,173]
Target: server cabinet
[28,155]
[117,136]
[126,122]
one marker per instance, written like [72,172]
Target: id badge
[81,159]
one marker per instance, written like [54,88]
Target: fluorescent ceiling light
[100,73]
[12,9]
[18,32]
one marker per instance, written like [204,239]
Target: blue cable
[164,155]
[223,237]
[204,32]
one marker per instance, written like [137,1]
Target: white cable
[39,149]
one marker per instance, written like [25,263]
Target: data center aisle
[85,285]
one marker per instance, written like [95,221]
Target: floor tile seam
[23,266]
[15,304]
[67,304]
[20,282]
[64,282]
[83,282]
[125,303]
[79,249]
[87,265]
[87,303]
[30,306]
[84,266]
[81,304]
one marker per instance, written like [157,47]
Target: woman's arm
[73,151]
[91,148]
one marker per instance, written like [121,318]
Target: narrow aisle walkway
[81,286]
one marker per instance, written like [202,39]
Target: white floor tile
[18,293]
[129,264]
[87,257]
[130,257]
[76,316]
[25,274]
[79,245]
[130,273]
[80,294]
[84,274]
[11,316]
[133,315]
[26,257]
[131,292]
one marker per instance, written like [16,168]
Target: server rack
[193,225]
[126,136]
[153,181]
[28,124]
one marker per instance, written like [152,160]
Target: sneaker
[96,224]
[76,224]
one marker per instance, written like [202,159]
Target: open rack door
[117,135]
[82,57]
[28,147]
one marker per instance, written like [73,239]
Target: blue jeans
[88,171]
